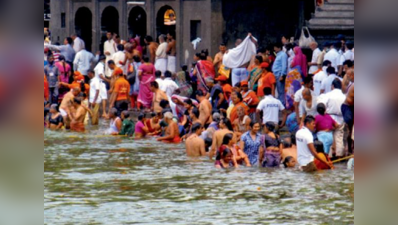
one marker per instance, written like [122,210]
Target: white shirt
[318,78]
[270,107]
[95,85]
[169,86]
[99,69]
[327,83]
[303,138]
[298,96]
[82,62]
[161,51]
[109,46]
[78,44]
[334,57]
[160,82]
[333,102]
[118,57]
[348,55]
[309,111]
[315,56]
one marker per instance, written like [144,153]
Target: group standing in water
[271,111]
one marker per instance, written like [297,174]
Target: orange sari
[234,113]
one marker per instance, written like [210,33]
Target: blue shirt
[280,65]
[65,50]
[252,147]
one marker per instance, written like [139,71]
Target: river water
[94,179]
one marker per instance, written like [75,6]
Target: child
[128,126]
[321,153]
[289,162]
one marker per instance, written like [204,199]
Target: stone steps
[340,2]
[337,7]
[329,21]
[331,27]
[334,14]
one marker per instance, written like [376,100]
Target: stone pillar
[96,23]
[217,26]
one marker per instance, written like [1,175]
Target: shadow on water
[94,179]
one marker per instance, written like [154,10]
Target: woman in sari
[204,69]
[179,106]
[255,73]
[299,60]
[64,75]
[293,84]
[237,100]
[183,80]
[146,75]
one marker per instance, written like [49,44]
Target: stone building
[214,21]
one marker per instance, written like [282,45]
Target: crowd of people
[274,108]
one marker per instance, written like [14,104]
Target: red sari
[205,70]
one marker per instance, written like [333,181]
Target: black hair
[69,40]
[259,58]
[337,84]
[197,54]
[326,63]
[171,33]
[141,116]
[149,38]
[287,160]
[270,126]
[309,119]
[238,85]
[267,91]
[223,44]
[137,58]
[337,44]
[195,111]
[293,139]
[227,138]
[206,52]
[164,103]
[77,100]
[202,56]
[261,50]
[196,127]
[253,122]
[348,63]
[289,46]
[321,109]
[168,74]
[287,141]
[126,114]
[239,95]
[61,58]
[319,147]
[145,58]
[208,142]
[228,124]
[184,67]
[120,47]
[111,62]
[223,154]
[350,45]
[82,87]
[278,45]
[158,73]
[200,93]
[155,84]
[153,114]
[331,70]
[188,101]
[307,80]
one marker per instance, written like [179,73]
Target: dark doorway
[109,23]
[163,23]
[137,22]
[83,26]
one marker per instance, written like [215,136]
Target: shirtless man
[348,109]
[219,56]
[78,117]
[195,146]
[242,123]
[205,108]
[158,96]
[171,52]
[152,47]
[225,128]
[172,134]
[66,105]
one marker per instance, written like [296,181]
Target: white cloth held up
[240,55]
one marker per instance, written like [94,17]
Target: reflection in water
[113,180]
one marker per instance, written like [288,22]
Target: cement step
[321,21]
[340,2]
[334,14]
[331,27]
[337,7]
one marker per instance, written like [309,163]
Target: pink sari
[300,60]
[145,96]
[205,70]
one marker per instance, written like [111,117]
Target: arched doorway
[166,20]
[83,26]
[137,22]
[109,23]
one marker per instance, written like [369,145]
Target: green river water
[90,179]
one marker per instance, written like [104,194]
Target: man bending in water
[172,134]
[195,145]
[77,118]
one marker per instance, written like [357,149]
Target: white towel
[240,55]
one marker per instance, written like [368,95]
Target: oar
[342,159]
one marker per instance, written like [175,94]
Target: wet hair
[227,138]
[223,154]
[158,73]
[120,47]
[168,74]
[69,40]
[307,80]
[326,63]
[287,160]
[164,103]
[155,84]
[321,109]
[200,93]
[319,147]
[337,84]
[270,126]
[228,124]
[259,58]
[286,141]
[149,38]
[153,114]
[110,62]
[146,59]
[348,63]
[309,119]
[196,112]
[137,58]
[126,114]
[208,142]
[331,70]
[267,91]
[196,127]
[188,101]
[77,100]
[141,117]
